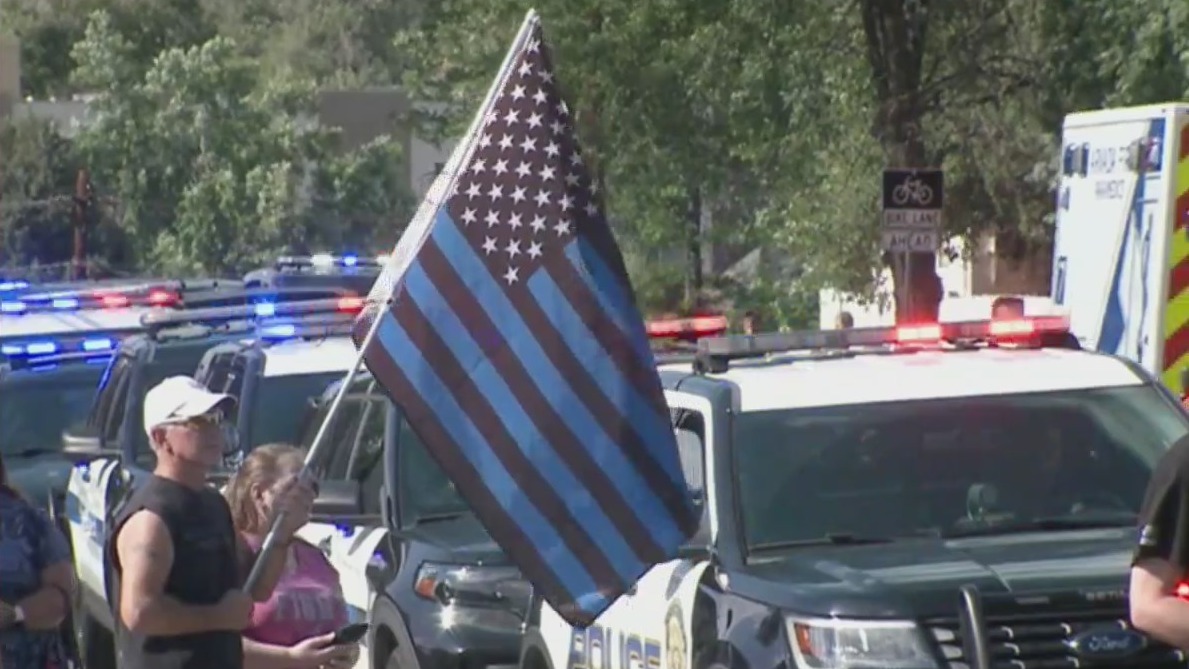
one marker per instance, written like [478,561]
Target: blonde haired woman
[293,628]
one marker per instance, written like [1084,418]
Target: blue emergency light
[9,286]
[52,347]
[329,262]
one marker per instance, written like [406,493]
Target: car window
[337,453]
[111,397]
[946,466]
[425,490]
[279,404]
[367,464]
[39,406]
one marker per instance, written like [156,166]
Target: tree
[48,29]
[680,108]
[36,182]
[217,169]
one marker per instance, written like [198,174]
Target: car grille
[1040,641]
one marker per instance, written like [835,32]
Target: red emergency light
[350,305]
[687,328]
[1016,328]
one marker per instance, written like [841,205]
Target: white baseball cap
[180,398]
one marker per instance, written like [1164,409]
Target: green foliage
[39,168]
[217,168]
[774,119]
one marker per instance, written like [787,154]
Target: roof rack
[715,354]
[330,262]
[158,320]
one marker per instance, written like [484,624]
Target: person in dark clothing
[177,562]
[1161,558]
[36,584]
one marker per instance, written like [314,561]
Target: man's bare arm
[145,550]
[1155,607]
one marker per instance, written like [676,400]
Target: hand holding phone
[350,634]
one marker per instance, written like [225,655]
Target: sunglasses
[206,420]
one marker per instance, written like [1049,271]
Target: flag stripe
[479,488]
[587,447]
[594,384]
[572,288]
[616,303]
[493,436]
[561,461]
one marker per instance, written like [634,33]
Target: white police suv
[933,497]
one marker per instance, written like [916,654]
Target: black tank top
[205,567]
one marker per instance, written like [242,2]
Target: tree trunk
[895,32]
[693,272]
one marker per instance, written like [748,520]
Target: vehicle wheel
[93,644]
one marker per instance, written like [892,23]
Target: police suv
[945,496]
[174,343]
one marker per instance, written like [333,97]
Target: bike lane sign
[912,203]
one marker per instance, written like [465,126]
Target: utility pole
[84,200]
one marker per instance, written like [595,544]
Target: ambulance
[1121,253]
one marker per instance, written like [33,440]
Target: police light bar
[67,301]
[99,344]
[343,306]
[327,261]
[1007,331]
[10,286]
[687,328]
[277,332]
[31,361]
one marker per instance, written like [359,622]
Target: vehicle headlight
[473,586]
[831,643]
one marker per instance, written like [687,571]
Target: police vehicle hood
[462,538]
[921,577]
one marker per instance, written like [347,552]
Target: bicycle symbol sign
[913,189]
[912,202]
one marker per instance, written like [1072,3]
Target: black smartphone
[349,634]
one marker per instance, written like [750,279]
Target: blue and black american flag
[512,342]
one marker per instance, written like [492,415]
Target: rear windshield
[948,466]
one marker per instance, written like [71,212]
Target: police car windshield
[278,404]
[425,491]
[33,416]
[950,467]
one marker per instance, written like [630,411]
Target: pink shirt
[306,602]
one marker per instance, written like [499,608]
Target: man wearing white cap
[177,562]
